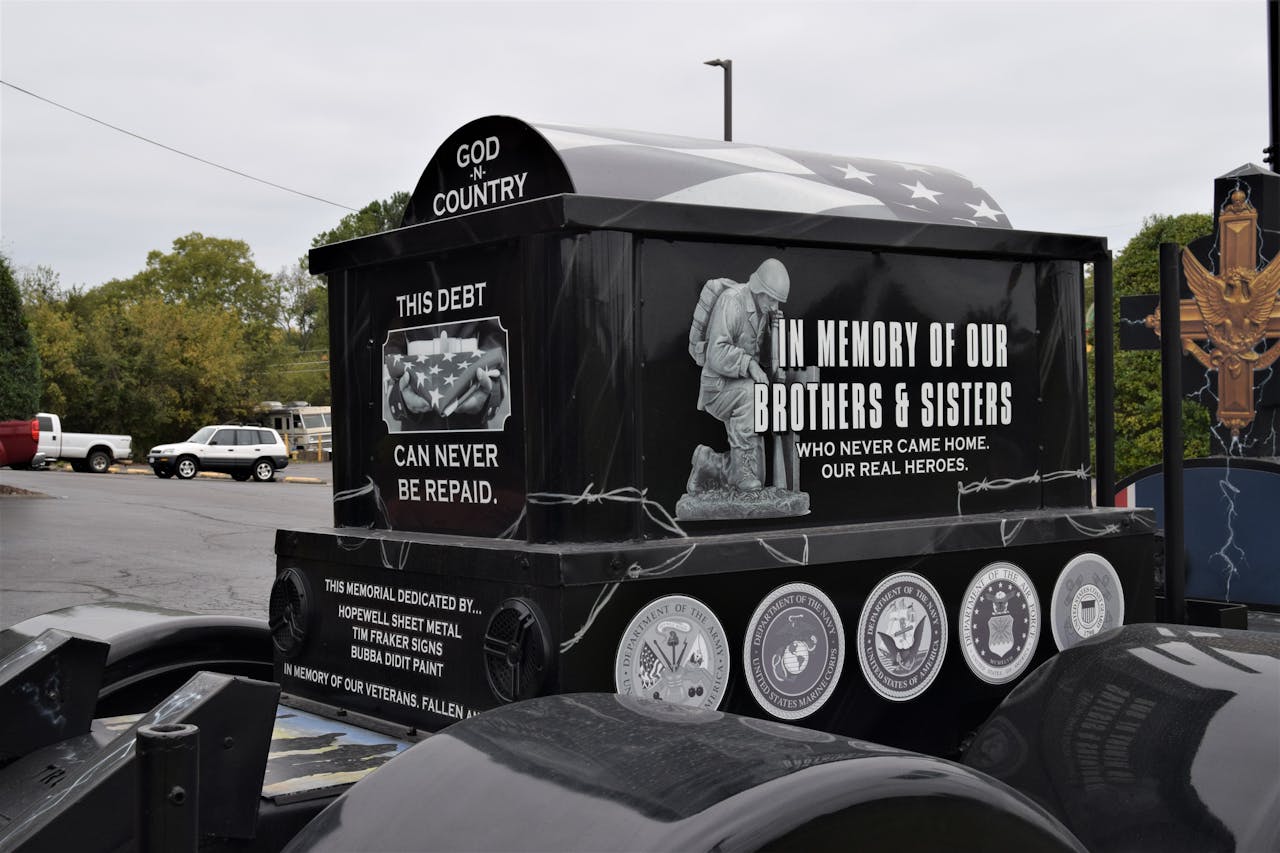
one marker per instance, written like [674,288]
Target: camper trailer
[307,430]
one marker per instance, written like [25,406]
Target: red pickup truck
[20,443]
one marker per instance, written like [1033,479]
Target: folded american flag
[446,378]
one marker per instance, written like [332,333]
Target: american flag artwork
[656,167]
[446,377]
[431,374]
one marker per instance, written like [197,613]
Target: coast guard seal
[674,650]
[902,636]
[1087,600]
[794,651]
[999,623]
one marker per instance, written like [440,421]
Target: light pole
[1273,59]
[727,65]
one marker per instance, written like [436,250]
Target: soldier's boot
[708,471]
[742,471]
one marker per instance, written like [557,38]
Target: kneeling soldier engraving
[728,338]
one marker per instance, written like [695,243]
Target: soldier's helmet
[771,278]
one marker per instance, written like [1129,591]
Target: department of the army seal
[1087,600]
[902,636]
[674,650]
[794,651]
[999,623]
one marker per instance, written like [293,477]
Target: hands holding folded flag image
[446,377]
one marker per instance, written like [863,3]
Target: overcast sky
[1079,117]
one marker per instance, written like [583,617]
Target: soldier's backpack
[702,315]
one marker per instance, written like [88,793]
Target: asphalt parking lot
[204,545]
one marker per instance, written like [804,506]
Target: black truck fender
[605,772]
[153,650]
[1148,738]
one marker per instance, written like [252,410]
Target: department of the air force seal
[1087,600]
[794,651]
[902,636]
[674,650]
[999,623]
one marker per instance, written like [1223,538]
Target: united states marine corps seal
[902,636]
[1087,600]
[674,650]
[794,651]
[999,623]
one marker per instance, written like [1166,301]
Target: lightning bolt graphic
[1226,557]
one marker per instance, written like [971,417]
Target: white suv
[241,450]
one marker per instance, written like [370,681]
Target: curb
[214,475]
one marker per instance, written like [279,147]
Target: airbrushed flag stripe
[771,192]
[657,167]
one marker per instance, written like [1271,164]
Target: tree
[301,370]
[19,359]
[187,341]
[374,218]
[200,272]
[304,305]
[159,371]
[212,272]
[191,365]
[39,284]
[1137,388]
[57,337]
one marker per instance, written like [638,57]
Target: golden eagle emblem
[1236,306]
[1233,311]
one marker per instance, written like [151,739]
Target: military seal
[794,651]
[902,636]
[674,650]
[999,623]
[1087,600]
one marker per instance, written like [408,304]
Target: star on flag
[853,173]
[429,379]
[921,191]
[981,209]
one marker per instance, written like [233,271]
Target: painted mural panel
[838,386]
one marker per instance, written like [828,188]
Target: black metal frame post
[168,762]
[1175,578]
[1104,375]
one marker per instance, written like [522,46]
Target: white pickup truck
[86,451]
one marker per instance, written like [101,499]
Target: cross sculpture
[1234,311]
